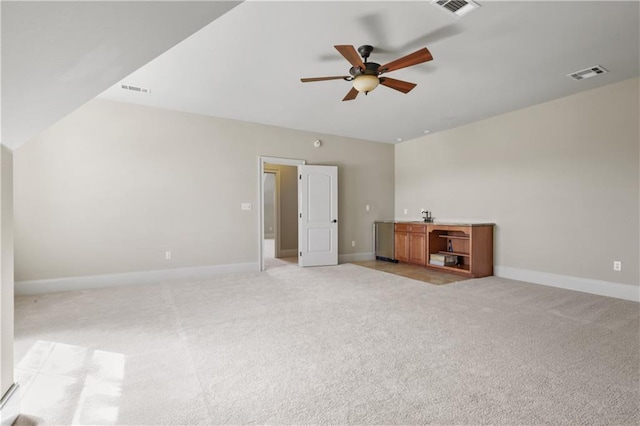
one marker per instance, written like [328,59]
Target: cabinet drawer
[417,229]
[402,227]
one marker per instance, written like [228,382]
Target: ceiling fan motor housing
[371,68]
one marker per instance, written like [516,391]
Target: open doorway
[269,179]
[280,215]
[278,212]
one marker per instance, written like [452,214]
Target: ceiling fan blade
[308,80]
[399,85]
[422,55]
[351,95]
[350,54]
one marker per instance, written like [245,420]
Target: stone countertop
[437,222]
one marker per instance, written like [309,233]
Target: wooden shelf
[471,244]
[454,237]
[453,253]
[462,268]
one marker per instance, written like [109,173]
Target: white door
[318,215]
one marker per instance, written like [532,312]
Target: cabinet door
[417,248]
[402,246]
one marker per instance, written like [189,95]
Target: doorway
[277,236]
[278,230]
[269,178]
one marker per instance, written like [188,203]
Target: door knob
[334,221]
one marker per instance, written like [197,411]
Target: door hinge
[300,177]
[300,254]
[300,215]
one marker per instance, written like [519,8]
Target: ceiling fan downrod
[365,51]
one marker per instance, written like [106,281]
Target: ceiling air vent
[457,7]
[587,72]
[135,88]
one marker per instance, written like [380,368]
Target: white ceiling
[57,55]
[246,65]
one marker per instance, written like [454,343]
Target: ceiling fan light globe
[365,83]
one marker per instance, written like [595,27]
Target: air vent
[587,72]
[457,7]
[135,88]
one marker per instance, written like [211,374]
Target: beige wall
[560,180]
[6,270]
[113,186]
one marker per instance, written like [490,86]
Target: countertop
[437,222]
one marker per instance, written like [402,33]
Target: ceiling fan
[367,75]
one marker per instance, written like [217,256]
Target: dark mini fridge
[384,240]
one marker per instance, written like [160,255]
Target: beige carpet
[328,345]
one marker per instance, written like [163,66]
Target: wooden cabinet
[401,240]
[418,245]
[470,245]
[410,243]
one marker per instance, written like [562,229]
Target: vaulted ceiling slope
[504,56]
[58,55]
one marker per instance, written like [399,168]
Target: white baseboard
[355,257]
[129,278]
[586,285]
[288,253]
[602,288]
[10,406]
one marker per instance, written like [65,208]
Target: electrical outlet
[406,211]
[167,255]
[617,265]
[245,206]
[367,207]
[353,243]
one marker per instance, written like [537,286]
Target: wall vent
[587,72]
[135,88]
[457,7]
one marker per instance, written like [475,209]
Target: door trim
[262,160]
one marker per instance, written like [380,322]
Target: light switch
[246,206]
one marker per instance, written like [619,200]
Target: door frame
[262,160]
